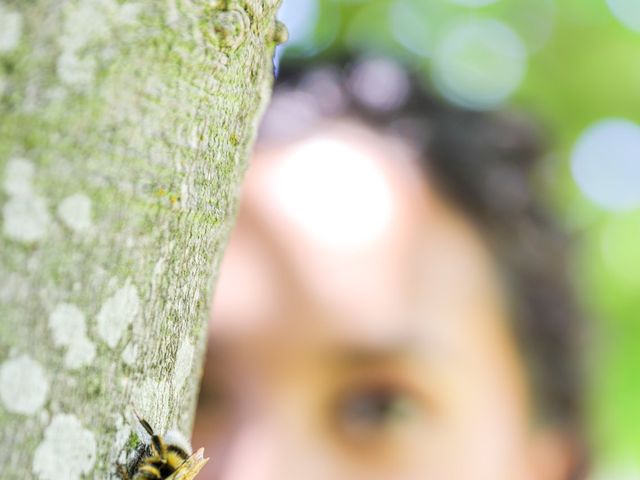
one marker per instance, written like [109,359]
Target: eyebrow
[362,355]
[345,354]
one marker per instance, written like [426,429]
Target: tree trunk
[124,132]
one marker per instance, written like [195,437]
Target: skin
[353,345]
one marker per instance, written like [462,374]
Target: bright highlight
[606,164]
[334,191]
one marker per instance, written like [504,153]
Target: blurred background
[574,66]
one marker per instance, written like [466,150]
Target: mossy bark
[125,128]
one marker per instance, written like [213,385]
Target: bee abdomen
[179,451]
[149,472]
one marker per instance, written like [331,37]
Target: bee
[168,458]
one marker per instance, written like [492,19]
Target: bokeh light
[345,211]
[606,164]
[479,63]
[379,84]
[627,12]
[411,28]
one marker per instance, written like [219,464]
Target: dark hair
[486,163]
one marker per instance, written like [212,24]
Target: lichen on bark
[124,132]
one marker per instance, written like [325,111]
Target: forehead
[341,236]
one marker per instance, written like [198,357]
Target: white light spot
[379,84]
[68,327]
[130,353]
[627,12]
[118,312]
[26,218]
[479,63]
[334,191]
[182,369]
[10,29]
[23,385]
[606,164]
[75,212]
[68,450]
[18,177]
[412,27]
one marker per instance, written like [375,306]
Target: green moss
[94,387]
[132,442]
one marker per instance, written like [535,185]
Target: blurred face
[359,330]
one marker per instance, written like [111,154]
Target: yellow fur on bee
[173,459]
[150,469]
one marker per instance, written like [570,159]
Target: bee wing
[191,467]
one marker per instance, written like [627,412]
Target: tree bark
[124,132]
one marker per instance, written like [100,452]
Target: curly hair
[485,163]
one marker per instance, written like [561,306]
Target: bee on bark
[168,458]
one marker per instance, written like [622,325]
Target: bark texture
[124,132]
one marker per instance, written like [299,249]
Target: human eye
[374,412]
[214,401]
[212,395]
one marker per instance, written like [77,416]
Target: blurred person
[394,302]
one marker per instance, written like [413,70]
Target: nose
[249,454]
[258,451]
